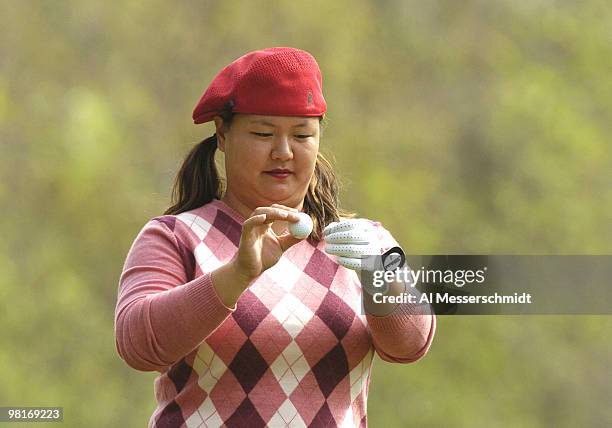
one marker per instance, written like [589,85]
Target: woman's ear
[220,131]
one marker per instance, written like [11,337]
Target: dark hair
[197,183]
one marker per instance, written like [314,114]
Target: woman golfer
[249,325]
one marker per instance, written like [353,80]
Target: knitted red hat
[275,81]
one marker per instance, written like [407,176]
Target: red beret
[275,81]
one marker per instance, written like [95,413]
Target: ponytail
[197,183]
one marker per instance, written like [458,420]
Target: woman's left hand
[351,240]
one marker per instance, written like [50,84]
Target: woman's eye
[303,137]
[262,134]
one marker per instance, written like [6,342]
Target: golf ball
[302,228]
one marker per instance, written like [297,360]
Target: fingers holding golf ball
[260,248]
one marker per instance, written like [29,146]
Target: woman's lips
[279,174]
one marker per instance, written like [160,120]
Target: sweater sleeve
[404,335]
[159,316]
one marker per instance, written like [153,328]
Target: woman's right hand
[259,249]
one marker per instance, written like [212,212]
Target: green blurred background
[465,127]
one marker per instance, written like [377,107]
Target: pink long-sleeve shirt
[295,350]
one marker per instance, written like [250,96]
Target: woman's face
[269,159]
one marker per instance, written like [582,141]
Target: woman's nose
[282,149]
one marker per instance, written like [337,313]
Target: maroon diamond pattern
[323,419]
[331,369]
[171,416]
[248,366]
[245,416]
[336,314]
[321,268]
[229,227]
[179,373]
[250,312]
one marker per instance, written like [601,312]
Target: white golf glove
[350,240]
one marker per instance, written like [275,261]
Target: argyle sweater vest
[295,350]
